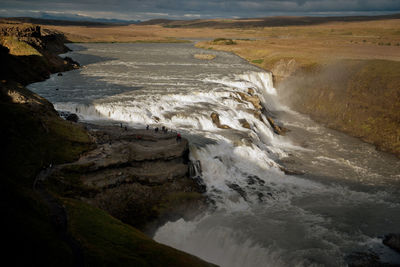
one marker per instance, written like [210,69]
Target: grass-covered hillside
[359,97]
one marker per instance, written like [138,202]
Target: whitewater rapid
[346,200]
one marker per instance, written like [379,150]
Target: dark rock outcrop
[72,117]
[32,53]
[392,241]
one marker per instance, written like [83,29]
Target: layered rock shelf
[139,176]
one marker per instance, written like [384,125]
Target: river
[345,200]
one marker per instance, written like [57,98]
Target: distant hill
[262,22]
[68,21]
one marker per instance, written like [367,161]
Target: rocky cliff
[25,46]
[138,176]
[60,182]
[354,92]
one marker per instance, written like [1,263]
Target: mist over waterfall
[345,200]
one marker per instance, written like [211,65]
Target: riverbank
[341,72]
[45,202]
[347,82]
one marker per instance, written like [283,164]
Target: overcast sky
[192,9]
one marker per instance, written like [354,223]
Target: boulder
[72,117]
[215,120]
[250,91]
[290,172]
[71,62]
[277,129]
[244,123]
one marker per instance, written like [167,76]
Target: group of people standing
[165,130]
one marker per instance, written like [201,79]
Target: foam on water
[261,216]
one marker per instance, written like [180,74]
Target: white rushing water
[347,199]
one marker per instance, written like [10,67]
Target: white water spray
[262,217]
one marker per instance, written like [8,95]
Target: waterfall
[260,216]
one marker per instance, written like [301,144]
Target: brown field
[364,55]
[307,44]
[135,33]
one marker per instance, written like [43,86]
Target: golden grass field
[365,104]
[264,46]
[300,58]
[307,44]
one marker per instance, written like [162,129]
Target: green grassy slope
[109,242]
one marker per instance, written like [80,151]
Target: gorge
[258,214]
[252,183]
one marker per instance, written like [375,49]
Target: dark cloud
[144,9]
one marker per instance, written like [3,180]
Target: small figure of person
[126,128]
[147,127]
[163,129]
[178,138]
[120,125]
[156,129]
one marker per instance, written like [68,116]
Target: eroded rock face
[277,129]
[284,68]
[33,54]
[18,31]
[138,176]
[215,120]
[255,100]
